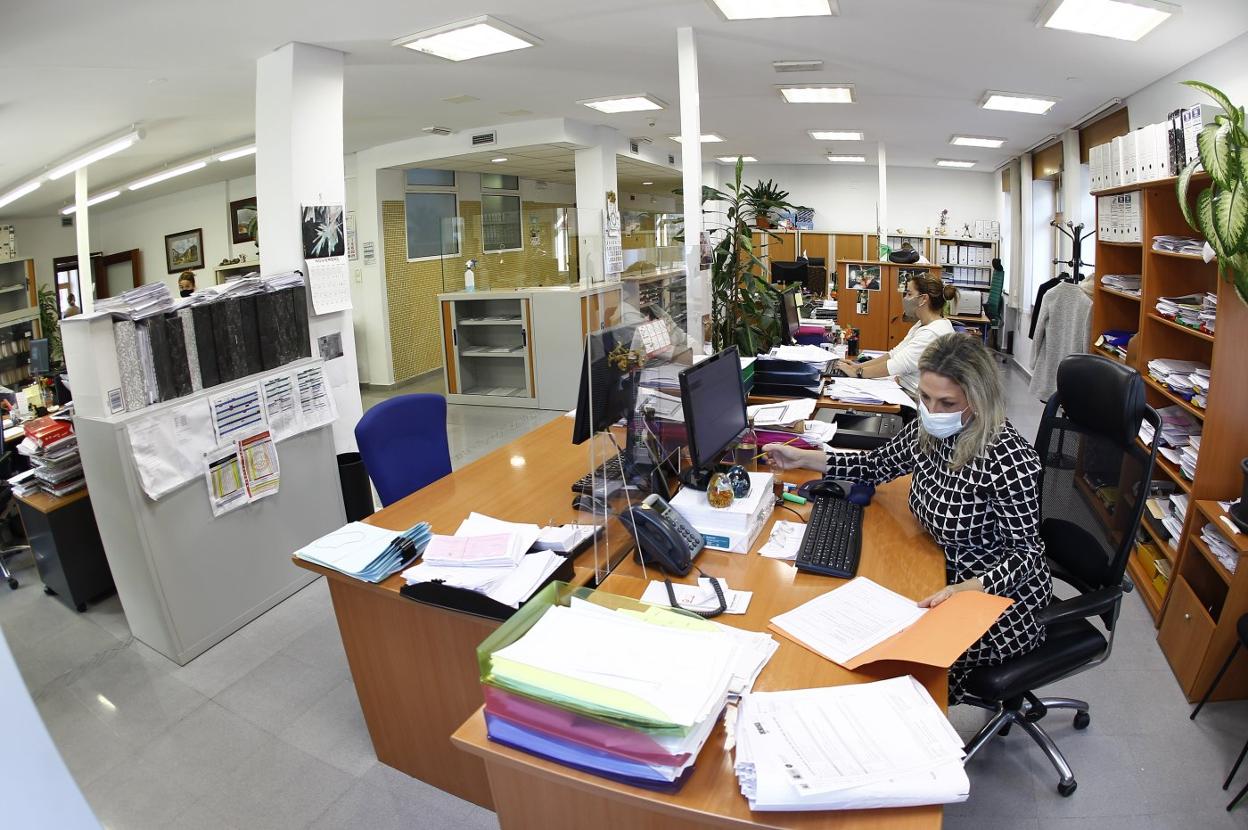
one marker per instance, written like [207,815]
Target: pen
[785,444]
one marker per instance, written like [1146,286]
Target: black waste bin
[357,496]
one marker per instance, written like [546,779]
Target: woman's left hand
[944,593]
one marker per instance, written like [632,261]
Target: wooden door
[782,246]
[117,273]
[1185,633]
[816,245]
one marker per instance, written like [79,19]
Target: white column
[595,175]
[1072,186]
[299,162]
[697,283]
[82,229]
[882,205]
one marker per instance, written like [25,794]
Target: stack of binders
[52,449]
[611,686]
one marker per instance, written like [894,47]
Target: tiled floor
[265,730]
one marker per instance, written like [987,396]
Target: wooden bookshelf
[1197,616]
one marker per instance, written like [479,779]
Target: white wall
[1225,68]
[844,196]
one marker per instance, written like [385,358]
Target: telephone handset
[663,536]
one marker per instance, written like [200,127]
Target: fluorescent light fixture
[1120,19]
[498,160]
[954,163]
[624,103]
[818,94]
[733,159]
[230,155]
[976,141]
[102,151]
[1017,102]
[707,138]
[167,174]
[848,159]
[94,200]
[835,135]
[19,191]
[468,39]
[771,9]
[647,184]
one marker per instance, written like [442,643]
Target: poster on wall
[324,251]
[612,243]
[323,232]
[864,278]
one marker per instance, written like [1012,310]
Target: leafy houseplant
[745,310]
[1221,212]
[50,321]
[763,198]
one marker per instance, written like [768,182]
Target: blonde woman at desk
[925,302]
[975,490]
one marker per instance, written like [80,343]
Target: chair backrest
[992,306]
[1096,473]
[403,443]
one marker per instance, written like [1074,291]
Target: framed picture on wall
[184,251]
[242,218]
[864,277]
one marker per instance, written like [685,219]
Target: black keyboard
[608,471]
[833,540]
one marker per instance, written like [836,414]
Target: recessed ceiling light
[976,141]
[954,163]
[707,138]
[624,103]
[733,159]
[848,159]
[761,9]
[93,201]
[647,184]
[105,150]
[499,160]
[468,39]
[230,155]
[835,135]
[167,174]
[1120,19]
[20,191]
[1017,102]
[818,94]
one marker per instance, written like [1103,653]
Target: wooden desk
[532,793]
[979,321]
[415,665]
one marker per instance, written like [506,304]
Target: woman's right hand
[784,457]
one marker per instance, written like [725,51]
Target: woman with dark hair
[975,489]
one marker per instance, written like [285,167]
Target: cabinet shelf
[509,322]
[1186,329]
[1113,293]
[518,354]
[1148,592]
[1107,353]
[1195,541]
[1177,255]
[1162,545]
[1173,398]
[1167,183]
[1170,470]
[1213,512]
[1120,244]
[975,267]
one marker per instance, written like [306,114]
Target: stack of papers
[366,551]
[488,556]
[24,483]
[1188,457]
[1125,283]
[794,752]
[1176,374]
[1222,548]
[630,694]
[783,414]
[1183,310]
[138,303]
[55,467]
[868,390]
[1199,381]
[1209,312]
[1179,245]
[802,354]
[1176,427]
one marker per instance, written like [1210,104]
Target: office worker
[186,283]
[924,302]
[975,490]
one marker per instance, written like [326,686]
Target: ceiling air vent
[797,66]
[481,139]
[671,159]
[634,147]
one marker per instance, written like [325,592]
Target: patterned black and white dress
[986,517]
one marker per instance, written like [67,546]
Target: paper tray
[479,605]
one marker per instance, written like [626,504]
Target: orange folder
[939,637]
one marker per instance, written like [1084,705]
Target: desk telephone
[666,539]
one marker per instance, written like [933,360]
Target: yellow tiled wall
[412,287]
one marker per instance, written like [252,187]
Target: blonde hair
[967,362]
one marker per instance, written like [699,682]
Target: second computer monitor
[712,396]
[786,273]
[792,316]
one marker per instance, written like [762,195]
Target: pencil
[785,444]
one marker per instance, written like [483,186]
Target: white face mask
[940,424]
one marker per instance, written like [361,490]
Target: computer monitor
[40,357]
[792,317]
[816,261]
[601,398]
[712,397]
[786,273]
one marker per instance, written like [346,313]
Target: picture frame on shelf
[184,251]
[242,214]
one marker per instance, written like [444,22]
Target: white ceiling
[76,72]
[556,163]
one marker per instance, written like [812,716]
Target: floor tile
[88,747]
[279,691]
[201,752]
[334,731]
[222,665]
[137,795]
[281,787]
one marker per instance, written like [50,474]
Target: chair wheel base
[1082,719]
[12,584]
[1066,789]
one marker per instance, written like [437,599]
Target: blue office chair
[403,444]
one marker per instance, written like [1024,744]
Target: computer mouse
[821,487]
[861,494]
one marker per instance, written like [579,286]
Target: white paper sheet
[848,620]
[329,284]
[785,540]
[281,405]
[700,597]
[868,390]
[805,354]
[168,449]
[316,404]
[222,471]
[257,455]
[235,412]
[781,414]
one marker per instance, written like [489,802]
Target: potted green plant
[1221,209]
[763,198]
[50,321]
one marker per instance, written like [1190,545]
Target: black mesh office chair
[1094,485]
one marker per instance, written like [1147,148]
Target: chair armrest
[1080,607]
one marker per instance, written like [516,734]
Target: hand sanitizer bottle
[470,279]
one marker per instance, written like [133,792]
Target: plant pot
[762,222]
[1239,513]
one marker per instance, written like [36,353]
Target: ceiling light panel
[771,9]
[19,191]
[733,159]
[1120,19]
[468,39]
[707,138]
[848,159]
[167,174]
[1017,102]
[624,103]
[93,201]
[954,163]
[835,135]
[817,93]
[230,155]
[976,141]
[103,151]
